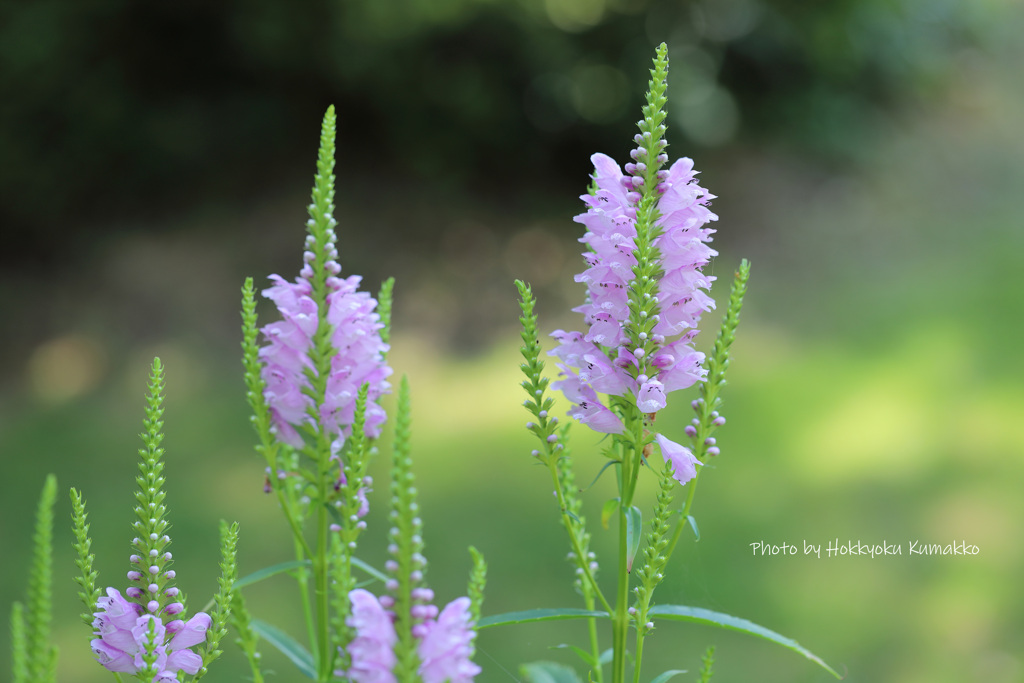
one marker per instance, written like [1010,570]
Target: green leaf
[607,511]
[667,675]
[267,572]
[693,525]
[634,529]
[606,466]
[705,616]
[587,658]
[288,646]
[606,656]
[543,614]
[369,569]
[548,672]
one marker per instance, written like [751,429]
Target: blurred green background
[868,159]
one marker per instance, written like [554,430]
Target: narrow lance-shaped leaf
[287,645]
[548,672]
[705,616]
[665,675]
[634,529]
[543,614]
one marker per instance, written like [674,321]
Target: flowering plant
[647,243]
[315,380]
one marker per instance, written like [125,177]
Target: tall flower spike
[33,652]
[329,342]
[647,243]
[402,636]
[143,631]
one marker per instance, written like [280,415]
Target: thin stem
[595,644]
[581,555]
[620,620]
[320,572]
[302,577]
[639,652]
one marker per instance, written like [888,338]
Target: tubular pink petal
[684,465]
[446,646]
[191,633]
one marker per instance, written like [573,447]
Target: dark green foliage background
[867,159]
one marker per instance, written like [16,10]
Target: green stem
[320,572]
[639,652]
[595,645]
[620,620]
[581,556]
[302,577]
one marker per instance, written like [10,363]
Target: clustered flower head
[358,358]
[639,367]
[126,632]
[444,640]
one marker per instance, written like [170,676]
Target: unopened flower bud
[713,451]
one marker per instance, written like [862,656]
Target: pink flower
[684,465]
[598,360]
[358,359]
[444,649]
[124,632]
[372,650]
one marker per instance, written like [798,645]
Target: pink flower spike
[682,250]
[446,646]
[372,649]
[684,465]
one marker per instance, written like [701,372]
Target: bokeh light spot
[66,367]
[574,16]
